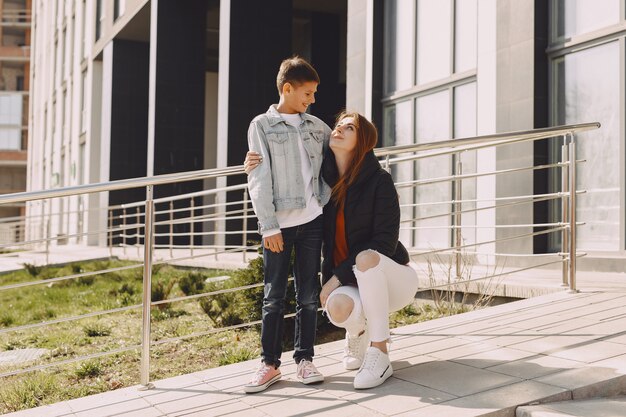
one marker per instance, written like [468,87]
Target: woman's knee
[339,307]
[367,259]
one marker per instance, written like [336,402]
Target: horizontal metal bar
[465,281]
[68,361]
[529,197]
[65,278]
[69,319]
[469,245]
[121,184]
[501,226]
[506,138]
[499,206]
[450,178]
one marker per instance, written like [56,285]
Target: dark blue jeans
[306,239]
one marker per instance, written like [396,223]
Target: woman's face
[343,136]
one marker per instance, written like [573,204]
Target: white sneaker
[354,350]
[375,370]
[307,373]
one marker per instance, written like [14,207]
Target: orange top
[340,253]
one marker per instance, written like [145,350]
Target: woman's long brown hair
[366,139]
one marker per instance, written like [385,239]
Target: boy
[288,194]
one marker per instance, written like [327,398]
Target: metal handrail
[512,137]
[504,139]
[567,226]
[121,184]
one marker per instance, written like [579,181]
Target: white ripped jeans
[383,289]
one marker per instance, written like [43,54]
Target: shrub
[32,269]
[161,291]
[96,330]
[243,306]
[43,314]
[88,280]
[237,354]
[28,392]
[192,283]
[7,319]
[89,369]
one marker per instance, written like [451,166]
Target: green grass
[33,304]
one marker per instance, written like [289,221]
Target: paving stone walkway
[547,349]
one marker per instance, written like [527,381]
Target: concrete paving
[547,349]
[611,407]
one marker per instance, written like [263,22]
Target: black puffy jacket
[372,218]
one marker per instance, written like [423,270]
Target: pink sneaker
[265,376]
[308,373]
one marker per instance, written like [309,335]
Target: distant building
[15,20]
[423,70]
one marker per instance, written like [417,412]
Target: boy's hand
[274,242]
[253,159]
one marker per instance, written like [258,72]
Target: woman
[365,275]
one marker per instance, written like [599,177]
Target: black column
[129,122]
[260,38]
[179,117]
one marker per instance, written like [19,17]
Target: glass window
[575,17]
[399,22]
[586,86]
[119,7]
[433,39]
[465,34]
[83,102]
[398,131]
[432,122]
[464,127]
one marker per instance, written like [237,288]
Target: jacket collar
[274,117]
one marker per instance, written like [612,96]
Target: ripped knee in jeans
[367,259]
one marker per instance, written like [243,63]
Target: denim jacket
[277,183]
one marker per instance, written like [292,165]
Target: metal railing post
[48,231]
[245,224]
[124,230]
[138,229]
[458,237]
[565,213]
[171,229]
[110,233]
[147,289]
[572,215]
[191,236]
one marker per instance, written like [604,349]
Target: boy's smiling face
[298,97]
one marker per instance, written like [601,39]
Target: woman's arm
[385,229]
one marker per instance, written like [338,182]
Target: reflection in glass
[575,17]
[399,20]
[465,34]
[587,91]
[397,131]
[432,124]
[464,127]
[433,39]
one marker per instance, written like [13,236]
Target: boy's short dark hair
[295,70]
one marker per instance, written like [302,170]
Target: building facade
[423,70]
[15,23]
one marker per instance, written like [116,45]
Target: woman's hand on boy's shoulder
[253,160]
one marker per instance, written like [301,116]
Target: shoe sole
[251,389]
[388,372]
[312,380]
[351,368]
